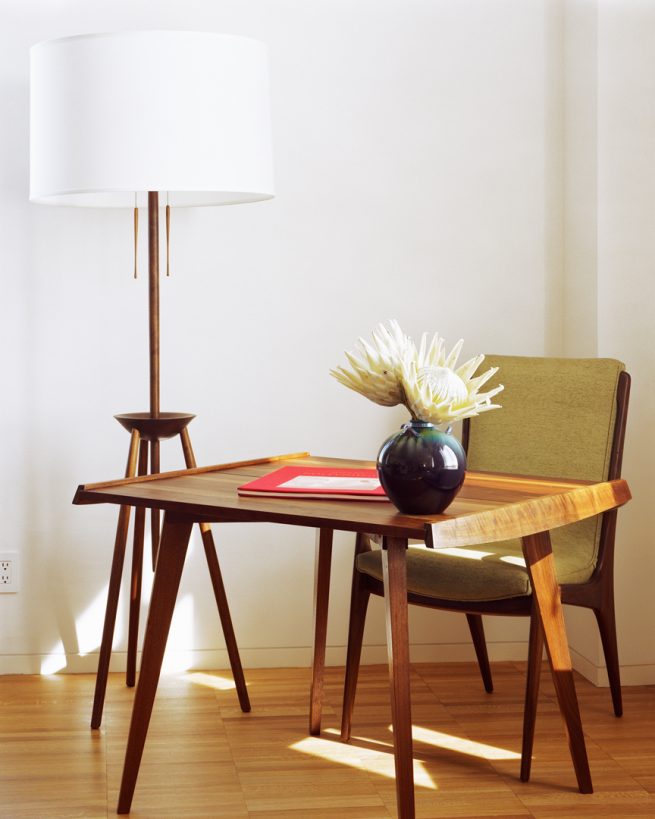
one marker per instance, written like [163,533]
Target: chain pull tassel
[136,237]
[168,237]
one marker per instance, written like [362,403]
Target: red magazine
[317,482]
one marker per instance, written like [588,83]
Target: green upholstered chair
[559,418]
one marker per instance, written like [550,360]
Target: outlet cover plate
[9,575]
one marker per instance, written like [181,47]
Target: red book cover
[317,482]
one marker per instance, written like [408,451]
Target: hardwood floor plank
[204,757]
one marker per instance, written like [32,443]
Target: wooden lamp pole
[153,300]
[153,335]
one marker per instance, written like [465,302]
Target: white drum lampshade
[116,119]
[181,112]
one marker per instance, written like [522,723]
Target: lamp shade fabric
[179,112]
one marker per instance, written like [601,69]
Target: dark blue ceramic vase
[421,468]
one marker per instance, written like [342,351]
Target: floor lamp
[115,120]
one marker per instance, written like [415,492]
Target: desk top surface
[488,507]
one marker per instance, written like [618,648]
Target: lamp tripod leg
[140,449]
[113,591]
[219,590]
[137,574]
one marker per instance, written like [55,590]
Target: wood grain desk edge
[178,473]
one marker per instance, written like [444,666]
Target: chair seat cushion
[494,571]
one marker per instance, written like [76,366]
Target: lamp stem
[153,299]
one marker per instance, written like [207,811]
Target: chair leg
[479,643]
[607,627]
[358,604]
[535,651]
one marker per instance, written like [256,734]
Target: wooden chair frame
[597,593]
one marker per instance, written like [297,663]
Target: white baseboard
[198,659]
[630,674]
[300,656]
[443,653]
[275,657]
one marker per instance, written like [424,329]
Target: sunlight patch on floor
[460,744]
[210,680]
[363,759]
[385,747]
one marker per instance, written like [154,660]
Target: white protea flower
[393,371]
[375,368]
[437,392]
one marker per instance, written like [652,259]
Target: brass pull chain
[136,237]
[168,236]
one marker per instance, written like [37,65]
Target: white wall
[608,293]
[420,155]
[626,292]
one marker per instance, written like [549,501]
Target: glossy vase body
[421,468]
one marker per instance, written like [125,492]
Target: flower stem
[404,401]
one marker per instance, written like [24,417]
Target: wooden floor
[205,758]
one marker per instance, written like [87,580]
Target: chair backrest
[560,417]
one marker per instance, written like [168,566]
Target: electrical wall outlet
[8,572]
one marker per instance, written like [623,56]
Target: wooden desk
[489,507]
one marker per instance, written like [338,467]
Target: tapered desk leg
[170,560]
[539,559]
[113,591]
[219,591]
[394,565]
[137,574]
[321,600]
[359,597]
